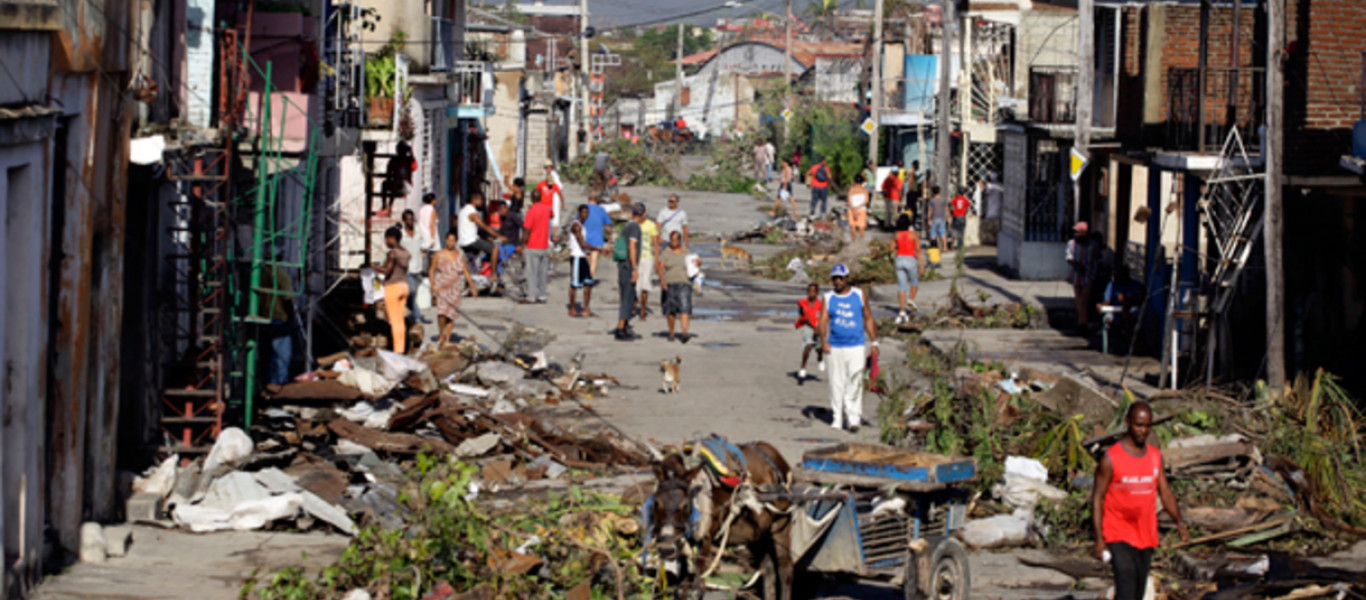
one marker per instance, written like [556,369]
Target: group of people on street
[484,237]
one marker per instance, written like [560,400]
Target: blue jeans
[939,228]
[818,196]
[281,351]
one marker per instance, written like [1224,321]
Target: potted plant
[379,88]
[380,82]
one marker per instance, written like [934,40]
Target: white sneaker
[902,318]
[821,365]
[839,426]
[801,374]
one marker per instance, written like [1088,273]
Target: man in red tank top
[1129,480]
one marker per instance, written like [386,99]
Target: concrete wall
[1045,38]
[503,125]
[407,16]
[837,78]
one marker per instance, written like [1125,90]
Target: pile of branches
[633,164]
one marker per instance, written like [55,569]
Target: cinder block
[142,507]
[117,538]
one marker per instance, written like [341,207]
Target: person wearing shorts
[939,219]
[580,276]
[909,269]
[672,268]
[858,209]
[808,324]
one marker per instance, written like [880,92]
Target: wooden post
[585,73]
[1233,58]
[1275,165]
[787,67]
[1201,76]
[678,74]
[875,102]
[1086,90]
[943,140]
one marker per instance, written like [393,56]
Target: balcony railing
[1053,94]
[1200,122]
[443,44]
[473,83]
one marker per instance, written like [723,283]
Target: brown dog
[733,254]
[673,375]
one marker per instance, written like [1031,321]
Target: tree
[823,10]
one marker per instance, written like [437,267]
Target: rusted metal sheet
[393,443]
[73,306]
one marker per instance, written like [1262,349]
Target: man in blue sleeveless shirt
[847,327]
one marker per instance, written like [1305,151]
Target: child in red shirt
[808,322]
[959,208]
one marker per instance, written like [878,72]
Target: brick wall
[1324,39]
[1182,48]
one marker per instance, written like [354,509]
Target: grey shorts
[678,299]
[809,336]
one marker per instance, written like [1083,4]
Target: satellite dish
[589,31]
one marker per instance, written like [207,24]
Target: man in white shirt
[412,243]
[553,177]
[671,218]
[469,222]
[770,155]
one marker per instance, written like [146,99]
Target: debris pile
[377,445]
[1236,465]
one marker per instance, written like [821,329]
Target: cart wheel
[949,578]
[770,586]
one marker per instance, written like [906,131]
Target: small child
[695,275]
[808,323]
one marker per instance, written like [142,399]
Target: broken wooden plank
[1180,457]
[412,412]
[1286,519]
[393,443]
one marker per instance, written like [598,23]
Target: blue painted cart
[893,512]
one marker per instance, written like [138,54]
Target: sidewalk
[1049,349]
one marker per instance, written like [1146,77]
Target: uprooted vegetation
[1252,471]
[529,548]
[730,170]
[633,164]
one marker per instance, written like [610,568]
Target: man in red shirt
[1129,479]
[818,176]
[960,217]
[536,244]
[808,323]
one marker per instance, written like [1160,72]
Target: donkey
[763,532]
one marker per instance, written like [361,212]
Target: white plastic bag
[424,294]
[230,449]
[1025,481]
[995,532]
[397,367]
[372,285]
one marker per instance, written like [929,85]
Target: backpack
[822,175]
[621,250]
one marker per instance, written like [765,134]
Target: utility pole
[584,72]
[787,66]
[678,73]
[943,140]
[1272,224]
[1086,89]
[875,108]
